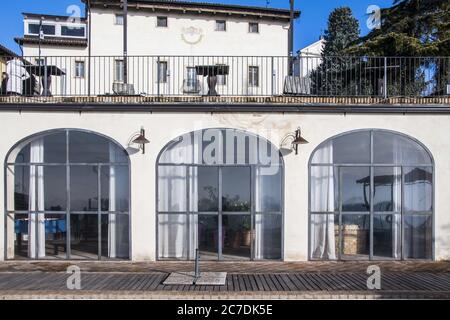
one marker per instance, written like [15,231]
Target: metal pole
[385,78]
[197,266]
[125,40]
[88,11]
[291,37]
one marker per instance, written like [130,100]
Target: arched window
[68,197]
[371,197]
[220,191]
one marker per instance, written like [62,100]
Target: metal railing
[226,76]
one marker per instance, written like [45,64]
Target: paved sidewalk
[272,280]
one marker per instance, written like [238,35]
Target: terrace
[253,81]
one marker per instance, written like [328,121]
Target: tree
[412,28]
[331,77]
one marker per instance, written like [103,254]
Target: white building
[309,58]
[166,41]
[275,177]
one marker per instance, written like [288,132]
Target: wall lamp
[141,140]
[297,139]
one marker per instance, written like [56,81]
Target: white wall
[160,128]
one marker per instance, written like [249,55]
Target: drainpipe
[125,41]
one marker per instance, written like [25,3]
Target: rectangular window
[119,70]
[161,22]
[119,19]
[253,27]
[162,72]
[79,69]
[253,76]
[191,77]
[71,31]
[40,62]
[221,78]
[221,25]
[47,29]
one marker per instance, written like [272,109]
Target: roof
[52,41]
[7,52]
[201,7]
[49,16]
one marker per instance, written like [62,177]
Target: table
[212,71]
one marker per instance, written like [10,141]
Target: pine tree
[332,76]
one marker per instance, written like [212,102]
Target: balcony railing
[382,77]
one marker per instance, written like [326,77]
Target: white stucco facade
[163,127]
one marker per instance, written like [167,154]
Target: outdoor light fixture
[141,140]
[297,139]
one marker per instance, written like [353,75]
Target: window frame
[117,20]
[218,22]
[253,213]
[67,212]
[162,77]
[159,18]
[119,77]
[372,212]
[252,80]
[250,24]
[82,74]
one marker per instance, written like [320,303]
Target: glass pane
[115,236]
[418,191]
[324,236]
[324,189]
[208,237]
[83,188]
[387,236]
[55,148]
[387,189]
[180,150]
[55,236]
[268,236]
[355,189]
[84,236]
[172,188]
[352,148]
[55,188]
[237,237]
[236,189]
[115,188]
[91,148]
[21,238]
[268,189]
[417,237]
[21,186]
[396,149]
[172,236]
[204,185]
[355,237]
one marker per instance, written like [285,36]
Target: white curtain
[259,227]
[397,199]
[322,200]
[36,222]
[172,198]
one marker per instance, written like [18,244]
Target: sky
[308,28]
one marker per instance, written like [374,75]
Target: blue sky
[308,28]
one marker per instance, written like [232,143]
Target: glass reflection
[418,237]
[355,236]
[237,237]
[355,189]
[387,189]
[387,236]
[418,189]
[84,236]
[236,189]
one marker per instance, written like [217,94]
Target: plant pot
[246,238]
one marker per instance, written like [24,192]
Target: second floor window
[221,25]
[68,31]
[253,27]
[119,19]
[119,69]
[79,69]
[253,76]
[162,71]
[47,29]
[161,22]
